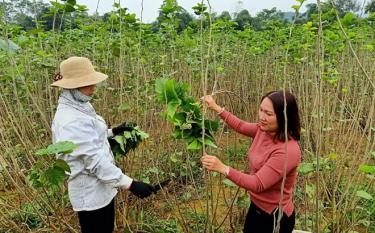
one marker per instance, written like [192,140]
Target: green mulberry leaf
[64,147]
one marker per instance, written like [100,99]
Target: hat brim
[83,81]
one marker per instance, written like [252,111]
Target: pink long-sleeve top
[266,162]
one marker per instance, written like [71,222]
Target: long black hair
[294,123]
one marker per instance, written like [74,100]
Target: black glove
[141,189]
[126,126]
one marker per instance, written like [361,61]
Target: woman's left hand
[125,126]
[212,163]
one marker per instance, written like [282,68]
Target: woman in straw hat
[94,179]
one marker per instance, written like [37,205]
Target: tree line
[31,15]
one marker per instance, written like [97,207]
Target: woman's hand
[141,189]
[125,126]
[211,104]
[214,164]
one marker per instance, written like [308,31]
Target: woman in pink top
[270,157]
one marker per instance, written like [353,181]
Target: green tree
[5,11]
[225,15]
[267,15]
[243,19]
[370,7]
[59,16]
[172,17]
[311,13]
[310,10]
[185,18]
[23,12]
[26,13]
[345,6]
[272,14]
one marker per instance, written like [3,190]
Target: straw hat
[78,72]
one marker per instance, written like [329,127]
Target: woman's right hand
[141,189]
[211,104]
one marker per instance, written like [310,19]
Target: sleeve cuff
[226,172]
[221,111]
[231,173]
[227,175]
[110,133]
[124,182]
[224,114]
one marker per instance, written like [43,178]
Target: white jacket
[94,178]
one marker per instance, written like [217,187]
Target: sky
[151,7]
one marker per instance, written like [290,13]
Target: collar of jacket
[66,98]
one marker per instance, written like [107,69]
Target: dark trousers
[98,221]
[259,221]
